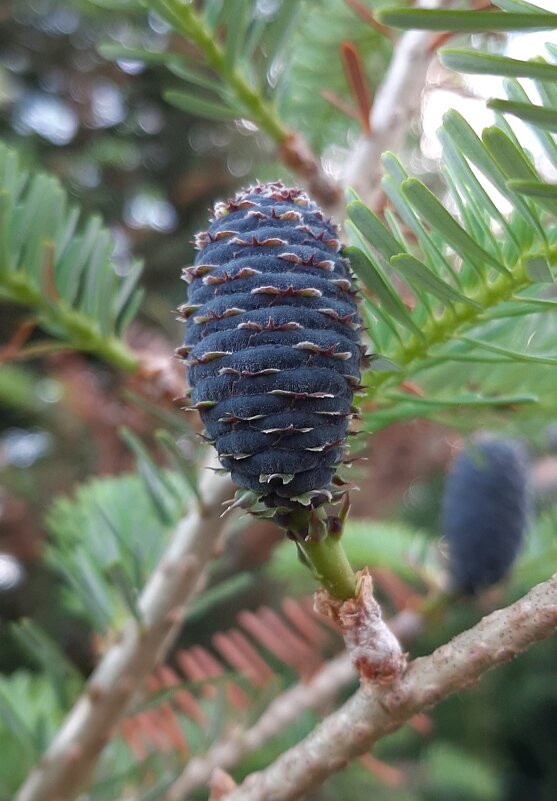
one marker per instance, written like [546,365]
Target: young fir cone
[485,513]
[272,344]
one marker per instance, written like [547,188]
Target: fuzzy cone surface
[485,513]
[273,342]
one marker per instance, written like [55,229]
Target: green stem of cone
[331,566]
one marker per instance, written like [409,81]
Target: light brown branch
[316,694]
[68,762]
[321,690]
[397,100]
[376,710]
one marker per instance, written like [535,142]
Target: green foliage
[479,284]
[238,50]
[108,538]
[394,546]
[268,67]
[458,302]
[540,550]
[63,273]
[311,65]
[30,714]
[453,774]
[446,772]
[18,390]
[413,553]
[467,21]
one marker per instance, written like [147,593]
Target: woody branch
[396,102]
[376,710]
[316,694]
[67,764]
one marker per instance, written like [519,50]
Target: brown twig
[396,102]
[440,40]
[297,156]
[376,710]
[13,347]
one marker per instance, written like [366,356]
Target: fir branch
[247,101]
[68,762]
[320,690]
[419,243]
[318,693]
[411,355]
[65,275]
[396,101]
[377,710]
[192,27]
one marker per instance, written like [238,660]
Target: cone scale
[485,513]
[273,352]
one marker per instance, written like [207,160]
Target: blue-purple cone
[272,341]
[485,513]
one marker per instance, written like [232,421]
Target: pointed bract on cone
[485,513]
[272,343]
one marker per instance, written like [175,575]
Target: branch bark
[322,689]
[317,693]
[375,710]
[295,153]
[396,102]
[68,762]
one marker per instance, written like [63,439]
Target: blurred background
[152,170]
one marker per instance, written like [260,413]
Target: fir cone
[485,513]
[272,343]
